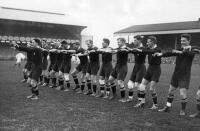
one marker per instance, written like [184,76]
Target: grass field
[66,111]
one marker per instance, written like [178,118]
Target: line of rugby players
[52,62]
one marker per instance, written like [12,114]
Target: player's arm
[168,53]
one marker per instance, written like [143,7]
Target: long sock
[94,88]
[41,78]
[25,76]
[122,91]
[89,84]
[198,105]
[170,100]
[35,90]
[107,90]
[183,103]
[114,90]
[102,88]
[68,84]
[139,95]
[82,86]
[76,80]
[154,98]
[54,81]
[130,94]
[60,82]
[142,96]
[47,80]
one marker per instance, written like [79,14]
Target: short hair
[187,36]
[107,41]
[122,40]
[138,37]
[64,42]
[38,41]
[153,39]
[77,43]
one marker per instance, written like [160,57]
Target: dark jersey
[36,55]
[94,56]
[106,57]
[140,56]
[53,57]
[122,57]
[153,60]
[183,62]
[29,56]
[83,59]
[59,58]
[28,52]
[45,54]
[67,56]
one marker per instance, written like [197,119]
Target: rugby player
[139,69]
[182,72]
[152,75]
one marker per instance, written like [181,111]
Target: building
[168,34]
[21,25]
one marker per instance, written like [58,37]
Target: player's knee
[66,77]
[137,85]
[33,83]
[60,74]
[198,94]
[101,82]
[120,83]
[130,85]
[183,93]
[142,87]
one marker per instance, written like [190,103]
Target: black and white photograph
[99,65]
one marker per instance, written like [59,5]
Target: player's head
[185,40]
[137,40]
[36,42]
[76,44]
[151,41]
[89,43]
[57,44]
[105,43]
[121,42]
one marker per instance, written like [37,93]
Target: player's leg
[197,114]
[183,94]
[111,85]
[102,86]
[170,98]
[53,79]
[75,77]
[131,86]
[60,80]
[66,79]
[142,92]
[40,82]
[122,72]
[25,75]
[89,84]
[34,82]
[154,95]
[83,81]
[94,85]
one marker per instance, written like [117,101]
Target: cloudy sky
[104,17]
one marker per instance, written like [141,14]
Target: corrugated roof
[188,25]
[37,16]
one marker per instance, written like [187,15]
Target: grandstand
[168,34]
[22,25]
